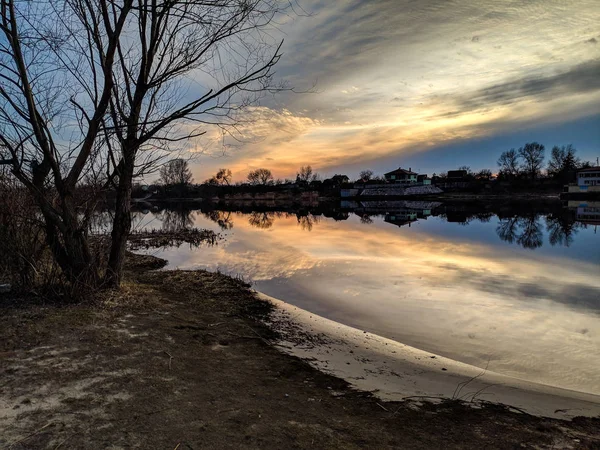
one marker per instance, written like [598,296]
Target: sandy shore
[396,372]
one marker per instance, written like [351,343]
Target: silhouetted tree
[563,162]
[97,86]
[223,176]
[484,174]
[176,173]
[366,175]
[532,154]
[306,175]
[509,163]
[260,176]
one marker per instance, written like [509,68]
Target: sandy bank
[396,372]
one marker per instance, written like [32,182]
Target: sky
[424,84]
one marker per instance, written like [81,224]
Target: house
[401,176]
[423,179]
[336,180]
[588,181]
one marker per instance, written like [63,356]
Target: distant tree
[176,172]
[223,176]
[260,176]
[306,175]
[509,163]
[563,162]
[532,154]
[466,169]
[366,175]
[484,174]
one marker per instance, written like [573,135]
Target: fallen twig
[382,407]
[30,435]
[170,358]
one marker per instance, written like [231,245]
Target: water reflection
[451,279]
[527,229]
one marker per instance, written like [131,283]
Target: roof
[400,170]
[589,169]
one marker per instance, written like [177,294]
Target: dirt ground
[181,360]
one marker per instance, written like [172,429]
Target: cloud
[581,79]
[397,77]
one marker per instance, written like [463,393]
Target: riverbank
[185,359]
[395,372]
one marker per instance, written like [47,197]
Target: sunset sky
[427,84]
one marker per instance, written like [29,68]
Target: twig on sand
[382,407]
[256,333]
[460,386]
[177,446]
[30,435]
[476,394]
[170,358]
[62,442]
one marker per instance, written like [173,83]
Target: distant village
[523,170]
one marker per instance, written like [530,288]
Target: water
[517,290]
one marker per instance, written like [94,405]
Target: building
[401,176]
[423,179]
[588,181]
[589,177]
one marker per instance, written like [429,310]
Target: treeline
[517,169]
[176,181]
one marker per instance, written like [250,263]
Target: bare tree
[176,172]
[484,174]
[306,175]
[260,176]
[223,176]
[563,162]
[47,82]
[509,163]
[532,154]
[366,175]
[98,87]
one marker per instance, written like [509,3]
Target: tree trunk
[121,226]
[70,248]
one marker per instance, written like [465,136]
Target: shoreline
[396,372]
